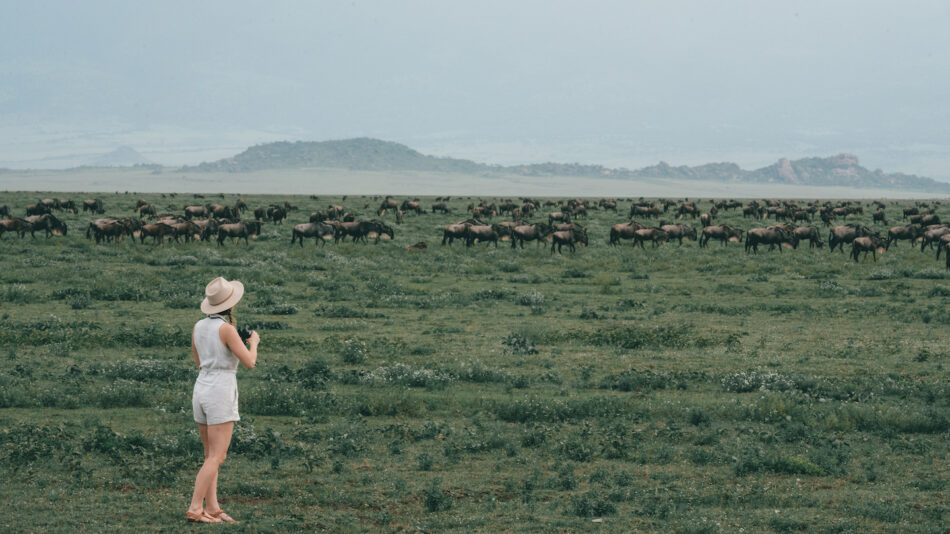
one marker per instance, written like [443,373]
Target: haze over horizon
[616,83]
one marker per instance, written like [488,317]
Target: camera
[245,333]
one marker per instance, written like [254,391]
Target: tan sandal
[221,516]
[201,517]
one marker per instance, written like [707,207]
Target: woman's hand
[255,339]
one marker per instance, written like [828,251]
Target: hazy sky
[614,82]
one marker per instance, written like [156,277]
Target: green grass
[451,389]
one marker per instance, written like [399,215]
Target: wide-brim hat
[221,295]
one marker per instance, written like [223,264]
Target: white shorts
[215,398]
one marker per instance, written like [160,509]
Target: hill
[365,154]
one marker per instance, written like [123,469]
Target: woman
[217,349]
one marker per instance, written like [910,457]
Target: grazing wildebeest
[147,209]
[839,235]
[454,231]
[878,216]
[529,232]
[482,233]
[679,231]
[751,210]
[608,204]
[157,231]
[67,205]
[277,214]
[19,226]
[206,228]
[910,210]
[241,229]
[559,216]
[809,233]
[440,206]
[334,211]
[379,228]
[387,204]
[187,229]
[870,243]
[318,216]
[910,232]
[705,219]
[932,235]
[223,212]
[93,205]
[48,222]
[772,236]
[645,211]
[654,235]
[260,213]
[317,230]
[722,232]
[106,229]
[568,237]
[688,208]
[413,206]
[4,211]
[623,231]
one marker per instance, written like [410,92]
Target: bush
[592,504]
[517,343]
[434,498]
[756,380]
[353,351]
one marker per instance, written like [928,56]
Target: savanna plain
[477,389]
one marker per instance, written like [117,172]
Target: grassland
[478,390]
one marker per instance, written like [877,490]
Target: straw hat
[221,295]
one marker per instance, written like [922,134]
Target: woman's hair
[227,313]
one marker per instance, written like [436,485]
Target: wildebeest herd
[527,219]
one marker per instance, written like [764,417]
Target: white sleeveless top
[213,355]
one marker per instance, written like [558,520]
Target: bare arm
[194,351]
[231,339]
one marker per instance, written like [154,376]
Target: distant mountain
[376,155]
[123,156]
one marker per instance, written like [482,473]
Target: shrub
[592,504]
[434,498]
[353,351]
[407,375]
[756,380]
[517,343]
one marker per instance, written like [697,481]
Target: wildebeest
[276,214]
[440,206]
[421,245]
[654,235]
[14,225]
[560,216]
[839,235]
[722,232]
[317,230]
[608,204]
[910,210]
[260,213]
[777,235]
[878,216]
[223,212]
[870,243]
[909,232]
[688,208]
[568,237]
[387,204]
[379,228]
[37,209]
[147,209]
[457,230]
[483,233]
[48,222]
[4,211]
[206,228]
[334,211]
[925,219]
[809,233]
[157,231]
[413,206]
[623,231]
[679,231]
[93,205]
[638,210]
[187,229]
[933,235]
[529,232]
[241,229]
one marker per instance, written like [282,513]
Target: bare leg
[216,439]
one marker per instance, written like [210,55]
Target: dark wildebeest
[454,231]
[206,228]
[568,237]
[67,205]
[503,229]
[241,229]
[106,229]
[878,216]
[870,243]
[318,216]
[19,226]
[37,209]
[147,209]
[317,230]
[933,235]
[334,211]
[608,204]
[157,231]
[705,219]
[223,212]
[839,235]
[48,222]
[187,229]
[413,206]
[260,213]
[623,231]
[421,245]
[644,211]
[809,233]
[655,235]
[751,210]
[942,243]
[4,211]
[777,235]
[93,205]
[483,233]
[679,231]
[277,214]
[379,228]
[529,232]
[722,232]
[688,208]
[910,232]
[560,216]
[440,206]
[925,219]
[910,210]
